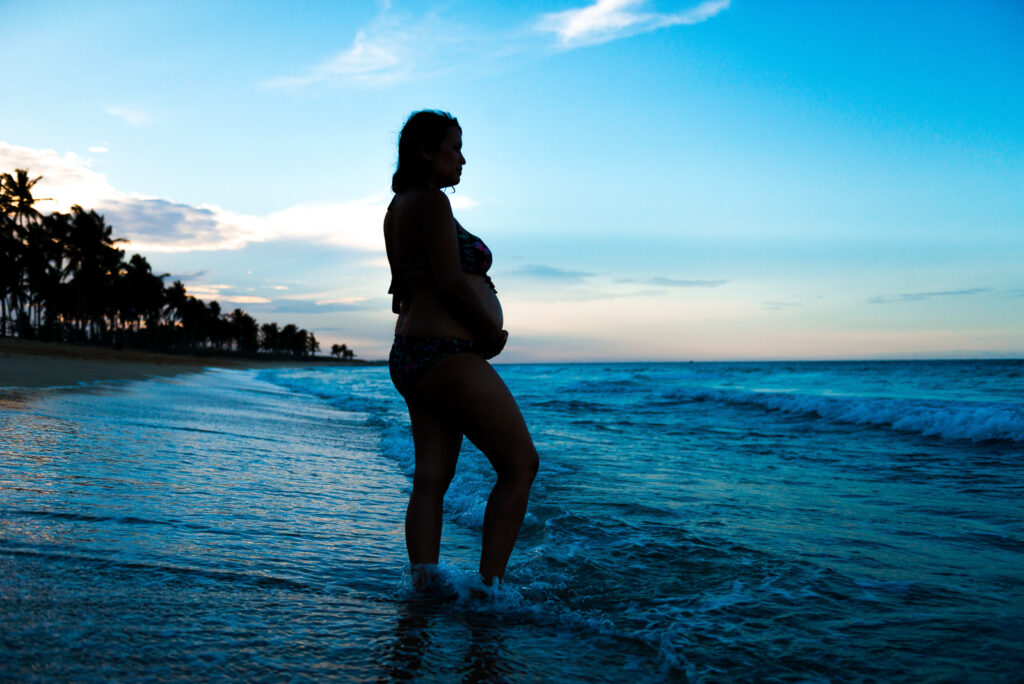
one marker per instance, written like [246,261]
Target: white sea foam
[975,421]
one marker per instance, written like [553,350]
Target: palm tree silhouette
[18,189]
[11,250]
[62,276]
[270,338]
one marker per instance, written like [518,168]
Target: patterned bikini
[411,356]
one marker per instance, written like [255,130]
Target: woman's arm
[389,229]
[442,245]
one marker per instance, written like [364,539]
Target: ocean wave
[976,421]
[570,405]
[340,390]
[466,498]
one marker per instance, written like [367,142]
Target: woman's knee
[532,464]
[432,480]
[522,469]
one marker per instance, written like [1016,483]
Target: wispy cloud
[920,296]
[397,47]
[372,60]
[675,282]
[299,306]
[99,149]
[671,282]
[243,299]
[607,20]
[342,300]
[393,49]
[543,272]
[133,116]
[221,293]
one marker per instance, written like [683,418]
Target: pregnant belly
[486,294]
[429,316]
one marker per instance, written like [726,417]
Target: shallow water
[712,522]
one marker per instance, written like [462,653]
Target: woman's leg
[437,446]
[475,401]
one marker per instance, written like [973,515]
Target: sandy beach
[29,363]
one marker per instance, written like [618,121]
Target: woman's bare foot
[425,578]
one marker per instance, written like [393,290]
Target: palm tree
[93,260]
[215,324]
[16,203]
[42,265]
[288,335]
[175,298]
[18,189]
[62,275]
[245,331]
[11,249]
[270,337]
[142,293]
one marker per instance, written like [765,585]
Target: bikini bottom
[411,357]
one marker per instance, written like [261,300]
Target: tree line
[63,278]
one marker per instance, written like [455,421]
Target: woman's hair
[423,130]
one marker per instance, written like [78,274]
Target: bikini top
[474,256]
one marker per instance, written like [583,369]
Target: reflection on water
[433,638]
[14,398]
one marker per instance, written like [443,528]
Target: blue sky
[657,180]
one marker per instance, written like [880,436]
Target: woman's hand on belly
[431,313]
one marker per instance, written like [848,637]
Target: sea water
[702,521]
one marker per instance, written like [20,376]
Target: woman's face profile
[447,161]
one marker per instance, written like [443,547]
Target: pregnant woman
[449,325]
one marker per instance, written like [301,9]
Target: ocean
[706,522]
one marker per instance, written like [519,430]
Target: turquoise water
[709,522]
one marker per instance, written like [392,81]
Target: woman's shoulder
[421,200]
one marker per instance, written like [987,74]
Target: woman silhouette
[449,324]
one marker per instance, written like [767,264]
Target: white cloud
[342,300]
[218,292]
[153,224]
[99,149]
[67,179]
[393,49]
[356,223]
[373,60]
[397,48]
[244,299]
[607,20]
[133,116]
[461,202]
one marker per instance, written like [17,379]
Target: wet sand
[28,363]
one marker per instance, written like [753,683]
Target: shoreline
[31,363]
